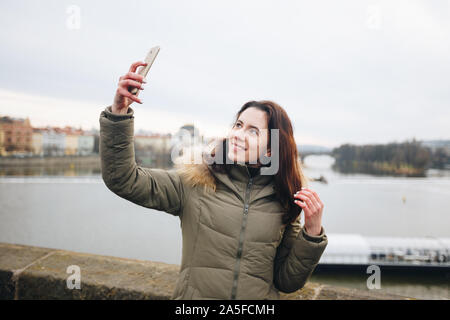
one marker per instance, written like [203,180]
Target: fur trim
[193,168]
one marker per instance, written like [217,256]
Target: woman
[241,231]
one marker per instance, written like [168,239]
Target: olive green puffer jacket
[234,243]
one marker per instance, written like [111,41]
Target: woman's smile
[237,147]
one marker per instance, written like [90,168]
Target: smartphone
[151,56]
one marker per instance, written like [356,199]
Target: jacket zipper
[241,239]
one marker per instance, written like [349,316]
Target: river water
[80,214]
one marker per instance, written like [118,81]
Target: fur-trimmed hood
[194,169]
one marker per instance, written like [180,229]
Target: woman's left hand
[313,207]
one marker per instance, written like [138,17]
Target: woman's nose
[239,135]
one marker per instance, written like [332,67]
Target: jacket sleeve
[152,188]
[297,256]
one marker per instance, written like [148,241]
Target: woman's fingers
[124,92]
[130,83]
[315,196]
[312,205]
[135,65]
[312,195]
[133,76]
[126,82]
[307,199]
[304,206]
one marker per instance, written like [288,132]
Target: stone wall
[28,272]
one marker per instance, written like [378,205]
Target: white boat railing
[354,249]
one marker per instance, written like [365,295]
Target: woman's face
[248,138]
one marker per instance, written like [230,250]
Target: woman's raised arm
[152,188]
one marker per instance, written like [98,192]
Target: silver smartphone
[151,56]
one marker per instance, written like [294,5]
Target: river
[79,213]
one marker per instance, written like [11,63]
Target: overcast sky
[345,71]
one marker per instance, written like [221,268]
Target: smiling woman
[241,231]
[247,135]
[251,138]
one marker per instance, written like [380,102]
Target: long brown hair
[289,178]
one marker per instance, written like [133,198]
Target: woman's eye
[253,131]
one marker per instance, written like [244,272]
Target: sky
[350,71]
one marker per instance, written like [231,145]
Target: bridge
[304,154]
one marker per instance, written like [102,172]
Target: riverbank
[22,166]
[92,160]
[28,272]
[50,166]
[379,168]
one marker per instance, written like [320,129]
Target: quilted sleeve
[148,187]
[297,256]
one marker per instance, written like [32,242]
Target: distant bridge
[304,154]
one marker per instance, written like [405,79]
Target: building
[72,137]
[2,147]
[156,142]
[187,136]
[53,141]
[95,133]
[37,142]
[86,144]
[16,135]
[153,150]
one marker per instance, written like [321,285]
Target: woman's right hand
[123,97]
